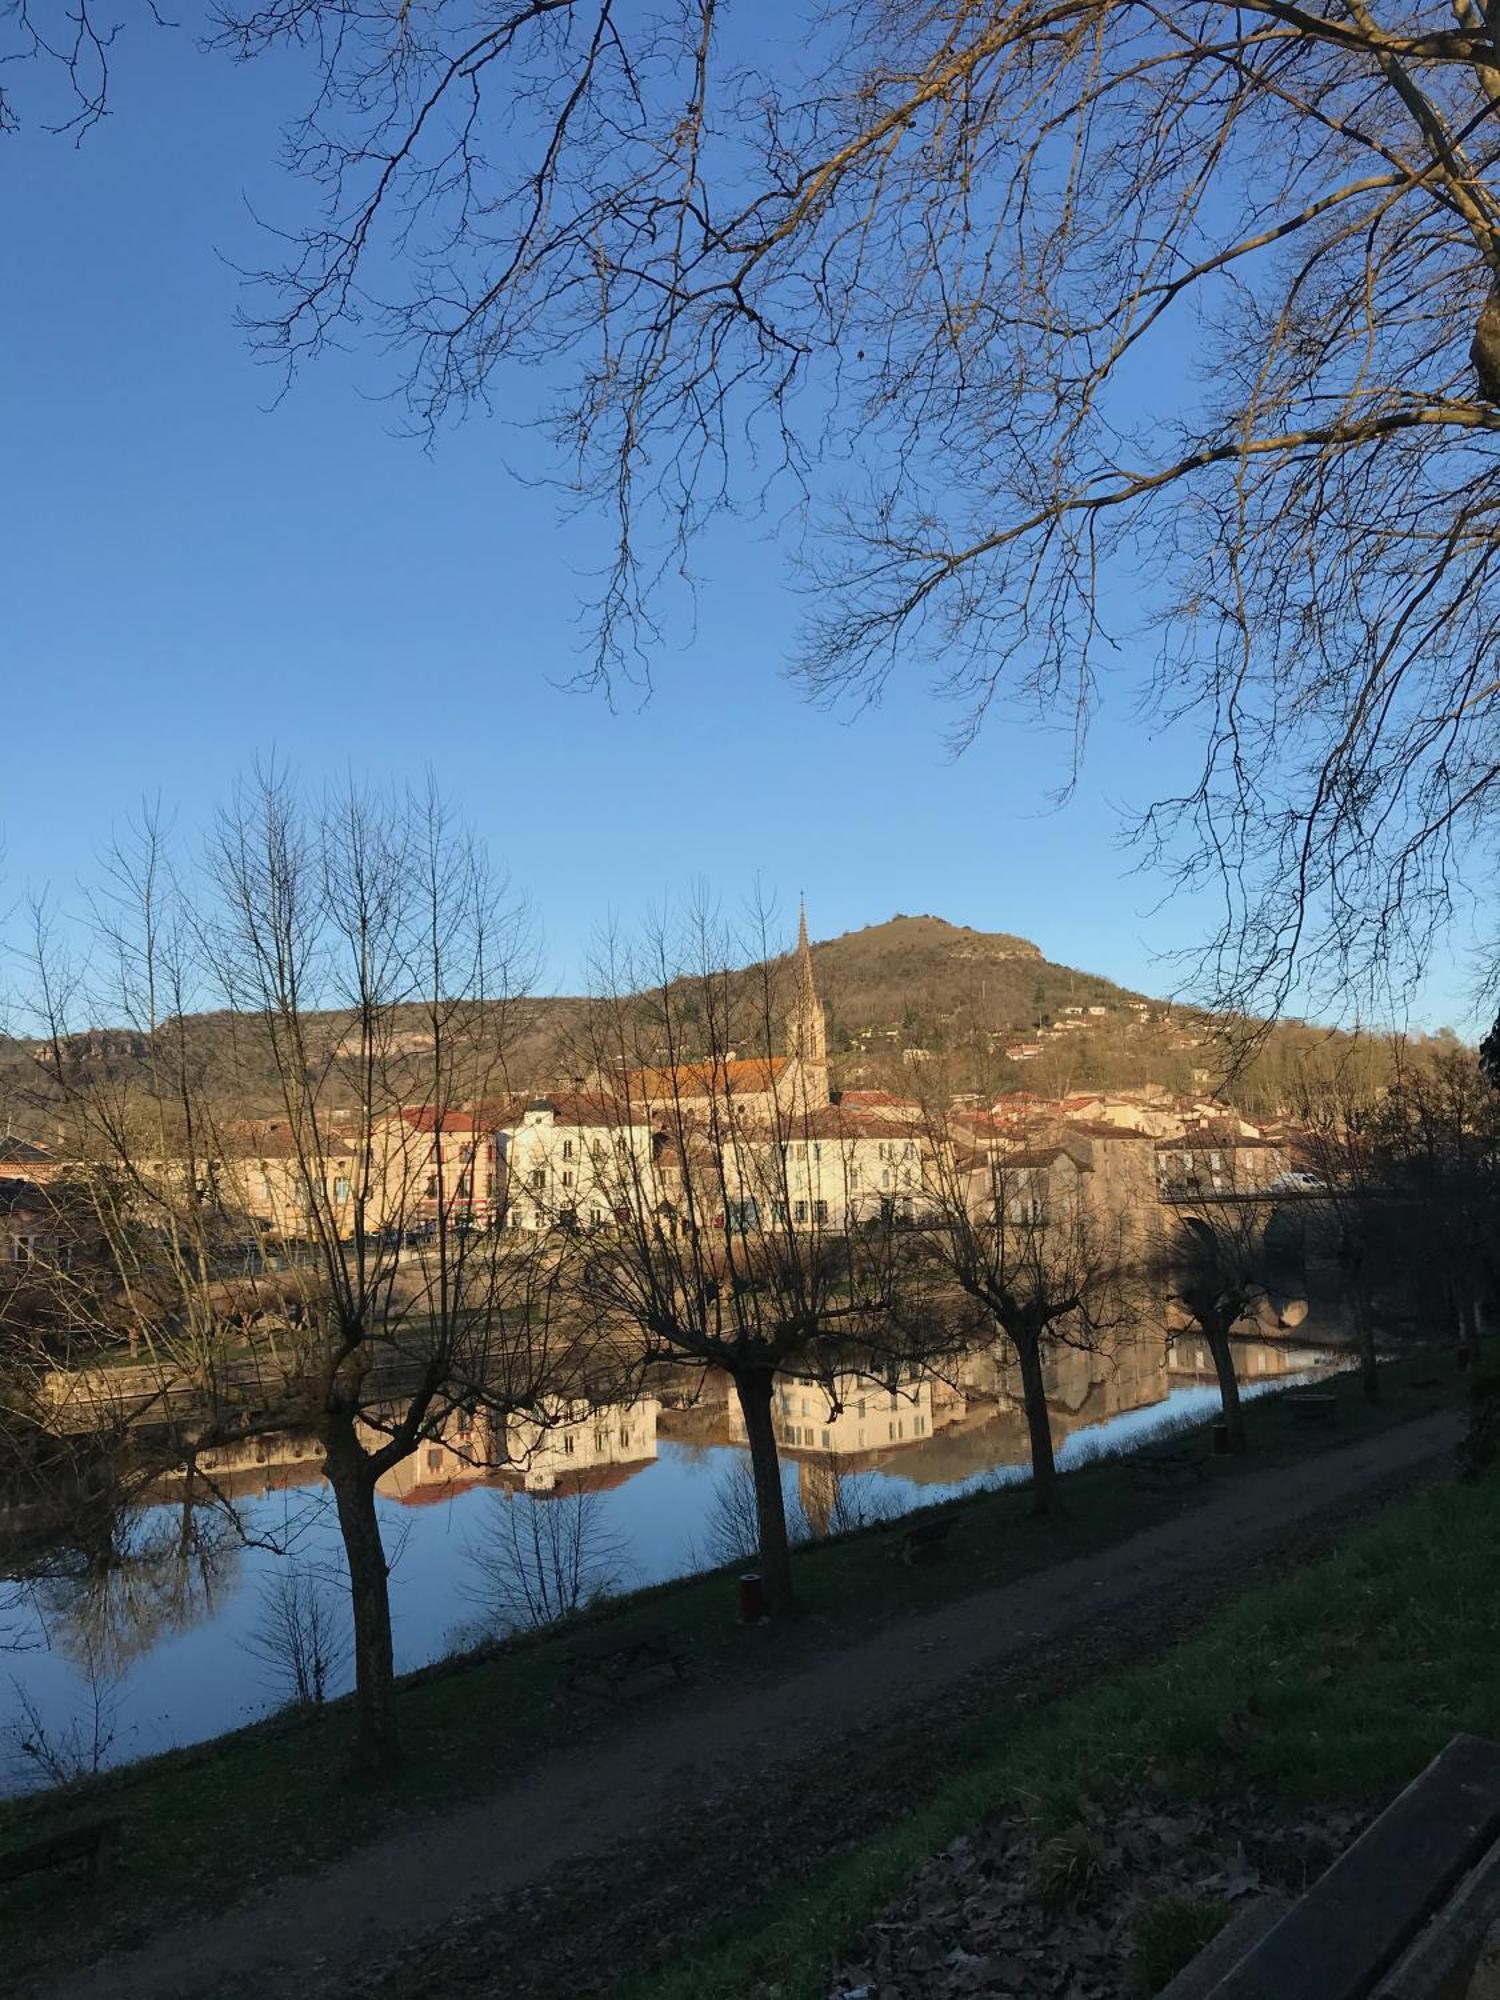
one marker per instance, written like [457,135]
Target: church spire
[807,1027]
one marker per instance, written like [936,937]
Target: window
[853,1178]
[820,1211]
[539,1179]
[340,1188]
[432,1187]
[918,1426]
[596,1218]
[799,1211]
[569,1444]
[827,1441]
[22,1249]
[567,1149]
[435,1458]
[567,1180]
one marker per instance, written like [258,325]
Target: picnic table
[1164,1471]
[610,1659]
[92,1841]
[926,1538]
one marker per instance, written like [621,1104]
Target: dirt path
[310,1937]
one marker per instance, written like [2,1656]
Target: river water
[166,1644]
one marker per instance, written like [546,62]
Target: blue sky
[195,574]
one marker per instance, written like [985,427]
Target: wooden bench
[612,1658]
[926,1538]
[1164,1471]
[1343,1937]
[93,1842]
[1313,1409]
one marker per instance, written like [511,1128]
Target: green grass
[1359,1669]
[207,1824]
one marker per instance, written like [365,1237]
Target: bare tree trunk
[1222,1350]
[376,1750]
[1045,1496]
[754,1389]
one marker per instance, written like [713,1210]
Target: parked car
[1295,1181]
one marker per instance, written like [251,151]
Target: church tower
[807,1026]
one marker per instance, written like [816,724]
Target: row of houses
[727,1141]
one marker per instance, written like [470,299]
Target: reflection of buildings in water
[1190,1363]
[579,1446]
[939,1433]
[619,1438]
[579,1443]
[251,1467]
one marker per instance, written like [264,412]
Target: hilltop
[940,976]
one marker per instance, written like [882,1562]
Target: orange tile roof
[716,1078]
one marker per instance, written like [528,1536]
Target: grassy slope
[208,1824]
[1360,1668]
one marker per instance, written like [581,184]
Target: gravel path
[312,1936]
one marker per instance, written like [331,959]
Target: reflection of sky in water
[196,1682]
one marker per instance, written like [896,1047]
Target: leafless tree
[1340,1117]
[300,1634]
[50,1754]
[542,1559]
[1434,1138]
[367,962]
[1106,303]
[736,1241]
[1014,1231]
[1213,1252]
[1195,301]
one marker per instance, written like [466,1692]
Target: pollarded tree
[1013,1225]
[738,1231]
[1213,1254]
[365,961]
[1436,1146]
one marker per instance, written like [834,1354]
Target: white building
[577,1161]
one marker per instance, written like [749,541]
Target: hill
[938,977]
[896,992]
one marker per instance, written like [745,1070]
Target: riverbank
[212,1826]
[1109,1839]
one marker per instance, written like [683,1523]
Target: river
[166,1644]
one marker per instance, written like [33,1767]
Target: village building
[743,1090]
[577,1161]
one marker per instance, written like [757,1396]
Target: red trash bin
[752,1598]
